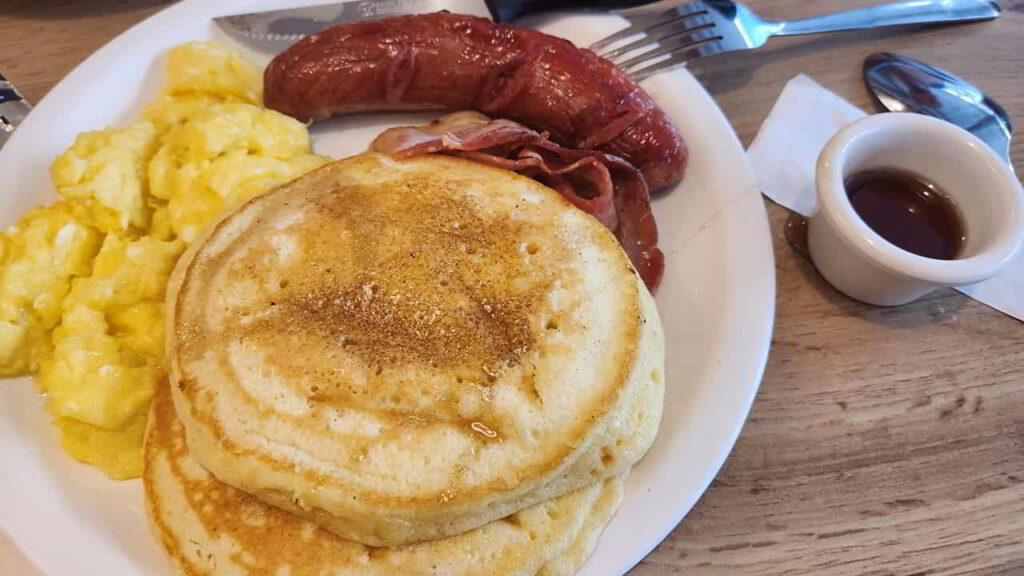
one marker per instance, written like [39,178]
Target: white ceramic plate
[716,302]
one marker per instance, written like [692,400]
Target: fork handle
[895,14]
[507,10]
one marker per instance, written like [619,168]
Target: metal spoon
[903,84]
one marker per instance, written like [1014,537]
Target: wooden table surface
[883,441]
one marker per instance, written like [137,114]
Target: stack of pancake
[426,366]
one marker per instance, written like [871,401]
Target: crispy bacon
[602,184]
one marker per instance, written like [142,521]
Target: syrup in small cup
[859,261]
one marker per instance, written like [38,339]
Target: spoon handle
[895,14]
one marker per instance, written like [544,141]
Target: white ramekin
[867,267]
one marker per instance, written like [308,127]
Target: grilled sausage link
[452,61]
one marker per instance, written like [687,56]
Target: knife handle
[507,10]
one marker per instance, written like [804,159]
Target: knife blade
[278,29]
[275,30]
[13,109]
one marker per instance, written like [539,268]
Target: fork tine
[628,31]
[678,58]
[653,43]
[670,46]
[641,23]
[674,15]
[680,27]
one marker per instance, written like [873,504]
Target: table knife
[275,30]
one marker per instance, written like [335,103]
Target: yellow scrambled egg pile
[82,281]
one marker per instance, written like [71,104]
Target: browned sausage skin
[451,61]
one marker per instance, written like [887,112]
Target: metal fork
[670,38]
[13,109]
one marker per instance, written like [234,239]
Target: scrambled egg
[101,176]
[82,281]
[225,154]
[39,257]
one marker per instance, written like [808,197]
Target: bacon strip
[599,183]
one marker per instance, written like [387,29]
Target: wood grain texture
[883,441]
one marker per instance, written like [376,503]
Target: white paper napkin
[783,156]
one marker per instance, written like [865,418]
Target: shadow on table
[63,9]
[939,307]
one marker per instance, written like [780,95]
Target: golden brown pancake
[407,350]
[209,528]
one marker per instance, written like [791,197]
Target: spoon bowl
[902,84]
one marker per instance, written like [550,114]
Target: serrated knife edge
[276,29]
